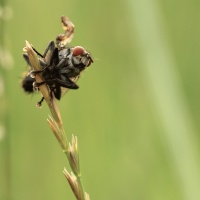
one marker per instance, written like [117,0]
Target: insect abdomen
[27,84]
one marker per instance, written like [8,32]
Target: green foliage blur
[136,114]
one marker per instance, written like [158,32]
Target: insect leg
[53,60]
[50,46]
[27,59]
[65,82]
[37,84]
[39,54]
[56,90]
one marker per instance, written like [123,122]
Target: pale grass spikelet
[74,184]
[74,155]
[87,197]
[54,127]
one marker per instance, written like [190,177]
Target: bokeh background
[136,114]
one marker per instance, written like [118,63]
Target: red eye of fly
[78,50]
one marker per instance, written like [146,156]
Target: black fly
[61,65]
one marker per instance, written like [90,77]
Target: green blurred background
[137,111]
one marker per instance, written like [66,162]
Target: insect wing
[49,52]
[65,90]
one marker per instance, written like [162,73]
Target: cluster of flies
[60,65]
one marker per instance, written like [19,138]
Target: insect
[61,65]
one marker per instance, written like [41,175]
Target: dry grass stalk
[55,123]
